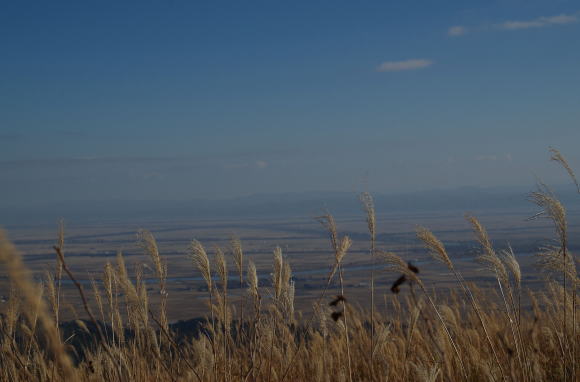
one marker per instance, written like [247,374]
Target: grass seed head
[558,157]
[435,246]
[200,260]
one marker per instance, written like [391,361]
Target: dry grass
[413,333]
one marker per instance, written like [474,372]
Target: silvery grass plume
[549,258]
[398,265]
[252,277]
[253,291]
[557,260]
[108,281]
[369,208]
[149,244]
[321,312]
[98,299]
[123,277]
[238,253]
[511,263]
[345,244]
[51,291]
[327,221]
[136,309]
[340,247]
[21,279]
[434,246]
[558,157]
[438,252]
[141,288]
[200,260]
[221,268]
[283,285]
[552,209]
[110,285]
[277,273]
[222,299]
[488,257]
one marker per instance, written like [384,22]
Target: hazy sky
[186,99]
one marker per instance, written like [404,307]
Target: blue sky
[181,99]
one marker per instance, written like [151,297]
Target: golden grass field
[388,320]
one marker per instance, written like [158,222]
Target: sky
[177,100]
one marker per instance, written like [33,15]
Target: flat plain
[304,243]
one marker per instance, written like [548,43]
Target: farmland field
[303,242]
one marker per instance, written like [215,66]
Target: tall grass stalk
[552,209]
[200,260]
[559,158]
[398,265]
[490,259]
[20,277]
[369,208]
[238,254]
[439,253]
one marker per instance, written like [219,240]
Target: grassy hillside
[410,332]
